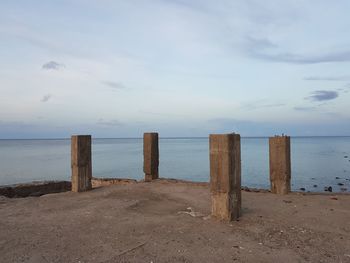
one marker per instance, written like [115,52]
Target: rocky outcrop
[35,188]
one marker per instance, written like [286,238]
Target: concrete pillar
[150,156]
[81,163]
[280,165]
[225,176]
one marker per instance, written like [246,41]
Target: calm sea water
[315,160]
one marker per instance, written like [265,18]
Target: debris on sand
[328,189]
[191,212]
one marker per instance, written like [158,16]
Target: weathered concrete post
[225,176]
[81,163]
[280,165]
[150,156]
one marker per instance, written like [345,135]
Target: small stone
[302,189]
[337,177]
[340,184]
[328,189]
[334,198]
[345,156]
[315,185]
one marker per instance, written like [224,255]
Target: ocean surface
[316,161]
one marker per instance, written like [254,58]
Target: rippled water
[315,160]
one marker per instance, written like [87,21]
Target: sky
[182,68]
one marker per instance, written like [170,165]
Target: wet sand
[168,221]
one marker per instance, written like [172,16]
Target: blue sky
[182,68]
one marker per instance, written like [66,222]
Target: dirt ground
[166,221]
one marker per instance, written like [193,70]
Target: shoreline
[39,188]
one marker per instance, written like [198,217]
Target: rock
[340,184]
[35,188]
[334,198]
[337,177]
[328,189]
[315,185]
[345,156]
[302,189]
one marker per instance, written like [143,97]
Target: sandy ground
[151,222]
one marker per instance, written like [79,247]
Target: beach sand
[167,221]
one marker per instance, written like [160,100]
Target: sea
[317,162]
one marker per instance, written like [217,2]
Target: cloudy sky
[179,67]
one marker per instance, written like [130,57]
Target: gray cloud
[46,98]
[261,104]
[322,95]
[272,105]
[304,108]
[264,49]
[306,59]
[259,43]
[103,122]
[53,65]
[114,85]
[337,78]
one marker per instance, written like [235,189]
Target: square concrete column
[150,156]
[280,165]
[81,163]
[225,176]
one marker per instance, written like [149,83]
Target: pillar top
[223,134]
[280,136]
[78,135]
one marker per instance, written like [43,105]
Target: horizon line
[175,137]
